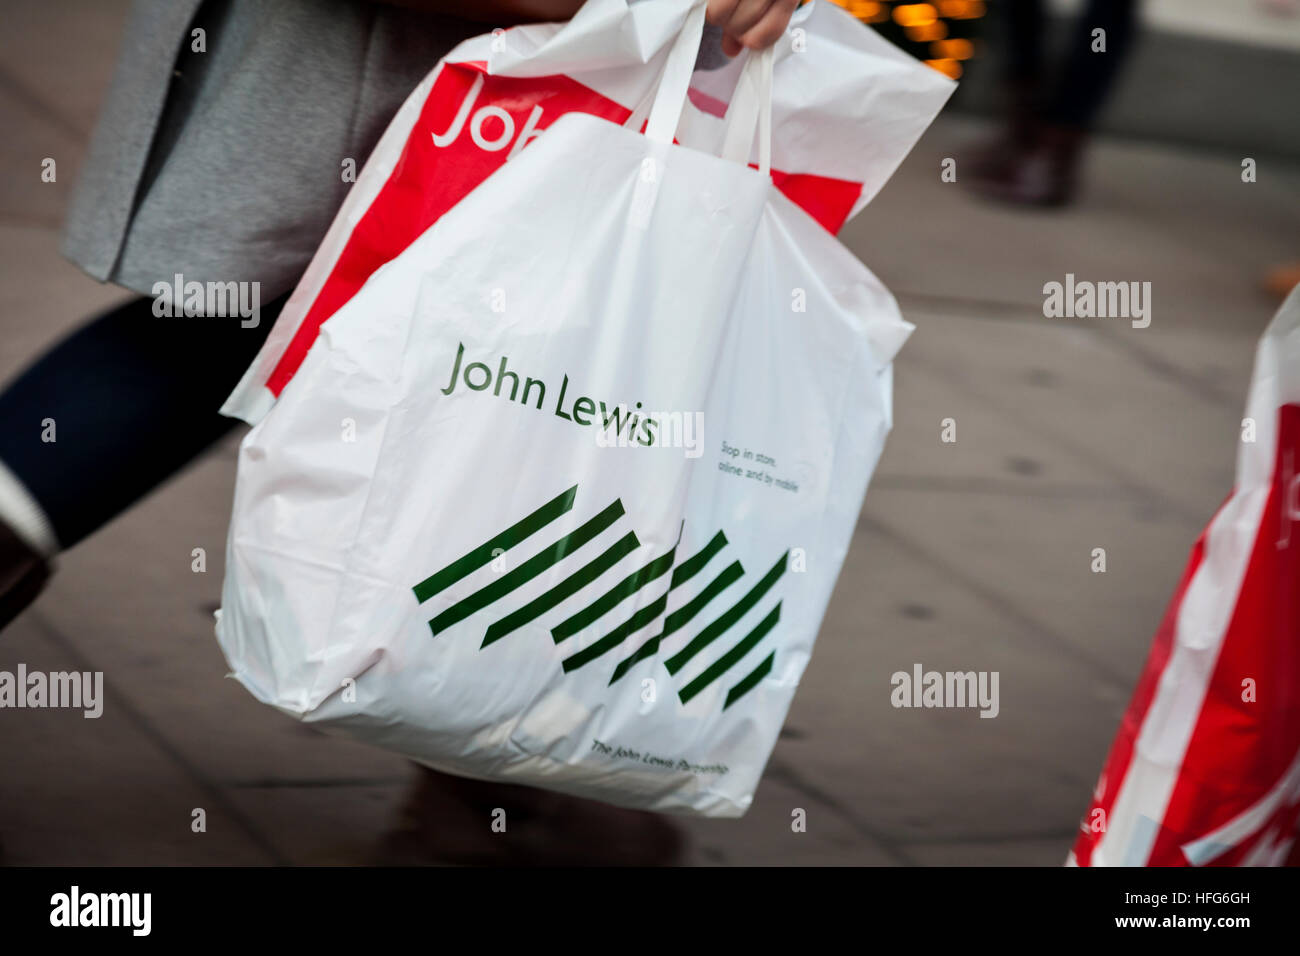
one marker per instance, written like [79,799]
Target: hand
[755,24]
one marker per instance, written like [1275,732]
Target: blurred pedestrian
[1035,158]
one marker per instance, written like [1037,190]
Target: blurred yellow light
[936,30]
[865,9]
[841,3]
[952,49]
[915,14]
[951,67]
[962,9]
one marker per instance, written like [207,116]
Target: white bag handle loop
[751,105]
[676,78]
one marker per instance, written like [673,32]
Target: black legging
[133,399]
[1087,77]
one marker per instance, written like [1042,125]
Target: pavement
[1072,434]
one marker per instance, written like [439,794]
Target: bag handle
[675,80]
[750,107]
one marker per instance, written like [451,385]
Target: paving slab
[59,55]
[790,824]
[1080,407]
[101,791]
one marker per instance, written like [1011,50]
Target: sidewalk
[1071,435]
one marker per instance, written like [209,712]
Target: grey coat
[226,164]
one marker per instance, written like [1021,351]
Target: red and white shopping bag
[1205,769]
[849,107]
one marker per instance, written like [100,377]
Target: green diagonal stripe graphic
[571,585]
[528,570]
[683,615]
[724,623]
[750,681]
[692,565]
[731,574]
[732,657]
[615,595]
[504,541]
[617,636]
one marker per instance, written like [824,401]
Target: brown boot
[450,819]
[1020,133]
[23,574]
[1045,174]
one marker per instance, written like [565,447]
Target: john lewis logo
[618,626]
[617,425]
[490,127]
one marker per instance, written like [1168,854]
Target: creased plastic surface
[847,107]
[573,280]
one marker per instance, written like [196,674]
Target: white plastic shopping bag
[853,105]
[560,496]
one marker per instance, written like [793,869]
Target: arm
[745,23]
